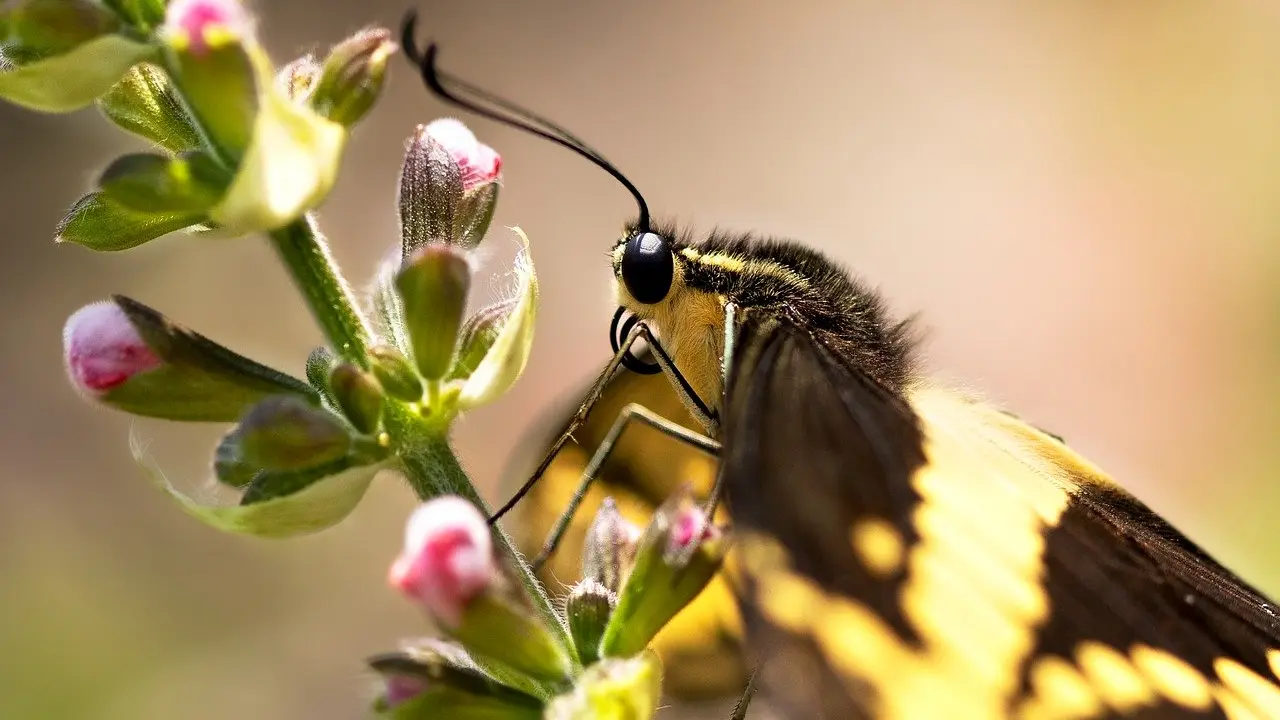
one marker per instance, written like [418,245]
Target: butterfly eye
[648,267]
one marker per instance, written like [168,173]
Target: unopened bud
[286,433]
[359,395]
[433,288]
[430,192]
[353,76]
[609,547]
[588,609]
[395,373]
[676,557]
[447,561]
[128,356]
[478,164]
[145,103]
[477,336]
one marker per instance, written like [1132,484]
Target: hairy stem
[304,252]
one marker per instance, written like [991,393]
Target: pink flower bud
[193,19]
[447,559]
[690,526]
[103,349]
[401,689]
[478,162]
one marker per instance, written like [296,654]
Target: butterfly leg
[678,381]
[632,412]
[740,708]
[730,336]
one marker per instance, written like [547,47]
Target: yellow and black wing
[922,555]
[701,648]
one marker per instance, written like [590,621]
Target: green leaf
[148,182]
[506,359]
[70,81]
[99,224]
[320,505]
[146,104]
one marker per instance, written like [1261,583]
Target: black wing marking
[812,450]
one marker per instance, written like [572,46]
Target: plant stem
[303,250]
[433,470]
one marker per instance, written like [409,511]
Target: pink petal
[194,18]
[447,559]
[478,162]
[102,349]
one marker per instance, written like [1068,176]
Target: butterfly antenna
[453,90]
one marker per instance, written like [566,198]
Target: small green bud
[359,395]
[477,336]
[676,557]
[588,609]
[395,373]
[100,224]
[615,689]
[353,76]
[147,182]
[45,28]
[298,78]
[146,104]
[610,547]
[130,357]
[433,288]
[286,433]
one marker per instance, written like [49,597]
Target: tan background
[1082,199]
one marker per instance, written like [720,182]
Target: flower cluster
[500,660]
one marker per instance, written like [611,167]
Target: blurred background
[1082,200]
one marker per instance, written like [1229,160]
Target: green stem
[433,470]
[303,250]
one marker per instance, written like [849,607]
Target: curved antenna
[513,115]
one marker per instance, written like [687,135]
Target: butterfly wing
[923,555]
[701,648]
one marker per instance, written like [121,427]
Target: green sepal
[45,28]
[505,360]
[614,689]
[146,104]
[198,379]
[478,335]
[358,395]
[72,80]
[386,307]
[97,223]
[220,87]
[395,373]
[145,14]
[474,214]
[496,628]
[320,505]
[433,287]
[271,484]
[661,583]
[445,669]
[320,363]
[430,193]
[189,183]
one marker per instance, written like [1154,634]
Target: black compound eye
[648,267]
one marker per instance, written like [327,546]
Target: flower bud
[613,688]
[477,163]
[433,288]
[209,44]
[298,79]
[438,680]
[478,335]
[588,609]
[395,373]
[447,561]
[288,433]
[430,192]
[677,556]
[126,355]
[359,395]
[147,182]
[353,76]
[99,224]
[609,547]
[146,104]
